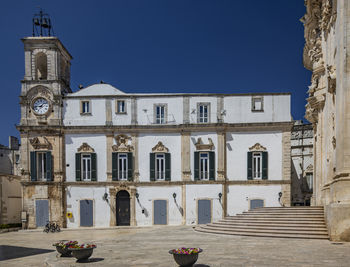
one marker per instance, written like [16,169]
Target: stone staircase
[285,222]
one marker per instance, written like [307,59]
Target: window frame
[124,163]
[257,155]
[206,172]
[201,119]
[309,181]
[117,106]
[89,172]
[82,109]
[254,99]
[43,169]
[161,158]
[165,113]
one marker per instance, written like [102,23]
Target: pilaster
[185,159]
[109,143]
[221,155]
[135,143]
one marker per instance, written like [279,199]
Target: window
[160,167]
[41,166]
[122,166]
[85,107]
[121,106]
[17,159]
[203,112]
[309,180]
[257,103]
[160,114]
[86,166]
[203,166]
[257,165]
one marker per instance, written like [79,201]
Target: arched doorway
[123,208]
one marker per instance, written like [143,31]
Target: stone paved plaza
[149,246]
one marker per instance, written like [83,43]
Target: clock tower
[46,81]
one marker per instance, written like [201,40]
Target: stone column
[135,144]
[109,144]
[221,151]
[286,167]
[108,105]
[185,156]
[132,206]
[112,195]
[183,193]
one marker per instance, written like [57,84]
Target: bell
[36,22]
[45,24]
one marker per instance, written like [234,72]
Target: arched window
[41,66]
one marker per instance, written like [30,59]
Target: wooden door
[123,208]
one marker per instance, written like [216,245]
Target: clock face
[41,106]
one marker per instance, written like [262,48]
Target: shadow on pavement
[90,260]
[200,265]
[14,252]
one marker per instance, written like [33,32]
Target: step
[285,212]
[267,219]
[287,209]
[279,235]
[317,225]
[244,230]
[279,216]
[272,228]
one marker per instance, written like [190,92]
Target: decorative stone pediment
[160,148]
[40,143]
[200,146]
[122,144]
[257,147]
[86,148]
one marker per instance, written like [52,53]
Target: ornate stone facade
[326,54]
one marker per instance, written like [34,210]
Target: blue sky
[205,46]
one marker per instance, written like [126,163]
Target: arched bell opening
[41,66]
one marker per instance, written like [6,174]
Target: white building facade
[149,159]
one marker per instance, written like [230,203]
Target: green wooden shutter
[33,166]
[93,167]
[264,165]
[196,165]
[167,167]
[49,166]
[250,166]
[77,166]
[130,167]
[211,165]
[152,173]
[114,166]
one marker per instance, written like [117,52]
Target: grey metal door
[41,212]
[204,211]
[160,212]
[86,213]
[256,203]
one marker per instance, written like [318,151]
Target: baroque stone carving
[257,147]
[40,143]
[331,79]
[200,146]
[122,144]
[160,148]
[309,168]
[86,148]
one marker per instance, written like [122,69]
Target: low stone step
[272,228]
[274,235]
[276,224]
[268,219]
[320,213]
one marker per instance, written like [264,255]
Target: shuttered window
[160,166]
[85,167]
[40,166]
[257,165]
[122,166]
[204,165]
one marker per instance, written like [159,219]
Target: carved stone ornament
[200,146]
[309,168]
[331,79]
[160,148]
[334,142]
[257,147]
[40,143]
[122,144]
[86,148]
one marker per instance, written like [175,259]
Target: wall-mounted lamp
[105,197]
[279,196]
[174,195]
[137,196]
[220,196]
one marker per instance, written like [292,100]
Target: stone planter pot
[185,260]
[65,252]
[81,254]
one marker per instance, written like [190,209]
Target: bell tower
[47,75]
[45,83]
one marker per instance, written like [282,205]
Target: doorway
[123,208]
[86,213]
[204,211]
[41,212]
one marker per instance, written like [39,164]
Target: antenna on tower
[42,24]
